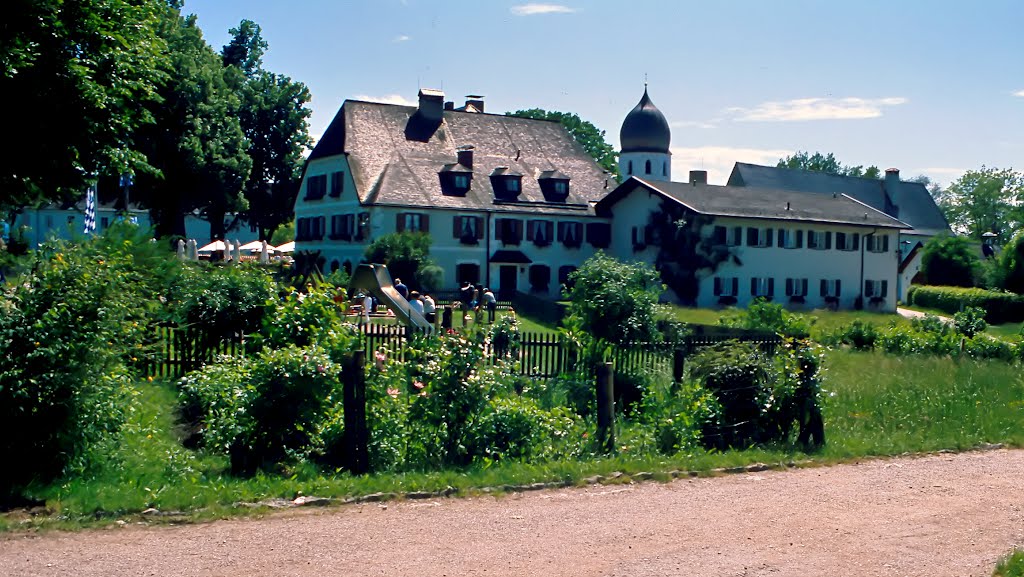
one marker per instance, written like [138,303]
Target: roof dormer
[554,184]
[455,179]
[507,183]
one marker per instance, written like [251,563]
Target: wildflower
[378,360]
[393,392]
[417,384]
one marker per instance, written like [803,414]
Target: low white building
[724,245]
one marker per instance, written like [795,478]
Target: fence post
[356,433]
[606,407]
[678,360]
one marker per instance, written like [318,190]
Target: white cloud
[815,109]
[718,160]
[533,9]
[402,38]
[386,99]
[1019,93]
[695,123]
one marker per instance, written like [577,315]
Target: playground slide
[376,279]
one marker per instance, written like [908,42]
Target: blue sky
[929,87]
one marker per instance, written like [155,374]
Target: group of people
[473,300]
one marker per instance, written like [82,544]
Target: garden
[97,437]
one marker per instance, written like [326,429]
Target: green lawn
[825,320]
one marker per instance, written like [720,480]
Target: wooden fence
[178,350]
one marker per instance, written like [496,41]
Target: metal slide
[376,279]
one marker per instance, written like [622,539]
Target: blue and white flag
[90,209]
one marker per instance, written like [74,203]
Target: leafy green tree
[985,200]
[284,232]
[405,253]
[819,162]
[949,261]
[273,115]
[196,148]
[1012,265]
[615,302]
[78,79]
[588,135]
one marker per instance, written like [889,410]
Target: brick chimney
[465,154]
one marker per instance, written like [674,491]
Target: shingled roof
[393,166]
[763,203]
[912,203]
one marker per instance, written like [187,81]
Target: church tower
[645,138]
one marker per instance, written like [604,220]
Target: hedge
[999,307]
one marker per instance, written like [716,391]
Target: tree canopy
[404,253]
[614,301]
[949,261]
[588,135]
[985,200]
[78,78]
[819,162]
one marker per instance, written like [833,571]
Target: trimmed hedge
[999,307]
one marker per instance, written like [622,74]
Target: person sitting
[415,303]
[429,309]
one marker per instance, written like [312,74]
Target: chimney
[449,105]
[476,101]
[698,177]
[892,176]
[431,105]
[465,154]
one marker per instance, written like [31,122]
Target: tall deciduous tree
[197,147]
[76,79]
[819,162]
[985,200]
[949,261]
[588,135]
[273,116]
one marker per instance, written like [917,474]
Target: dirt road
[937,515]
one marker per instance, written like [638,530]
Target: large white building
[517,204]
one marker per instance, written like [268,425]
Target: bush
[999,307]
[222,300]
[266,410]
[308,319]
[970,321]
[615,302]
[949,261]
[68,334]
[765,316]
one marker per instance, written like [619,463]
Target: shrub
[765,316]
[999,307]
[970,321]
[615,302]
[949,261]
[691,415]
[222,300]
[517,428]
[264,411]
[308,319]
[68,333]
[734,372]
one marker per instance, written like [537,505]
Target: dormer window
[455,179]
[554,185]
[507,183]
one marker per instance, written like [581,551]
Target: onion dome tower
[645,138]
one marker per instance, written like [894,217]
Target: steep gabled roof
[912,203]
[761,203]
[391,169]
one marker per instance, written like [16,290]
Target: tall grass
[881,404]
[1011,566]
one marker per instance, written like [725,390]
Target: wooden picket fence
[178,350]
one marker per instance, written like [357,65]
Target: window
[876,289]
[599,234]
[512,185]
[726,286]
[831,288]
[759,237]
[563,275]
[461,181]
[819,240]
[302,229]
[847,241]
[647,167]
[541,232]
[316,187]
[796,287]
[762,287]
[561,187]
[363,229]
[467,229]
[876,243]
[570,234]
[467,271]
[729,236]
[412,222]
[337,183]
[319,224]
[639,238]
[540,277]
[508,230]
[791,238]
[342,226]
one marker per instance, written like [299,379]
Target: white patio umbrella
[286,248]
[215,246]
[251,247]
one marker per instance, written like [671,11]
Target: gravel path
[936,515]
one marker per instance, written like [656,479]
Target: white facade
[646,165]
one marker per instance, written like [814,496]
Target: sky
[931,87]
